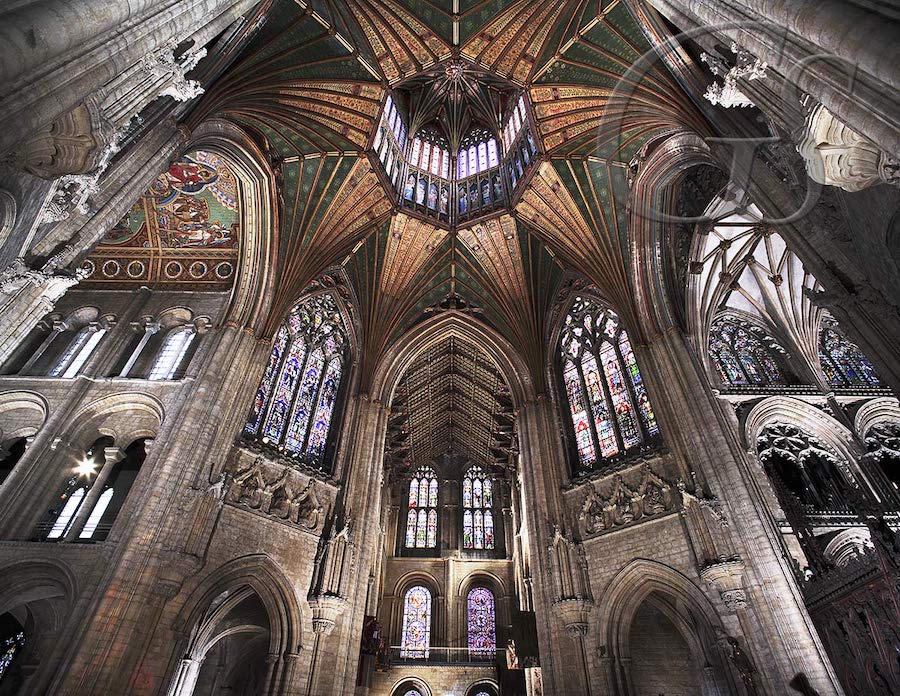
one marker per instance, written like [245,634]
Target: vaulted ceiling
[451,400]
[309,88]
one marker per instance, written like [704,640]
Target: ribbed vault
[309,89]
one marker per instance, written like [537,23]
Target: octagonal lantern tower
[455,143]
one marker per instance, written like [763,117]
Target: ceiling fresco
[309,90]
[183,233]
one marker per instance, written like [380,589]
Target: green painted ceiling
[308,91]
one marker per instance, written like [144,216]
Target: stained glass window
[481,624]
[743,355]
[478,499]
[842,361]
[10,646]
[297,396]
[421,518]
[416,623]
[608,403]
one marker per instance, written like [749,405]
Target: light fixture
[86,467]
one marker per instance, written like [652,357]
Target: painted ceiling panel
[309,90]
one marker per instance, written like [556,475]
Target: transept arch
[256,574]
[645,582]
[393,363]
[256,276]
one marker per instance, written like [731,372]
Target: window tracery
[609,407]
[416,637]
[804,466]
[478,516]
[842,361]
[741,356]
[297,396]
[421,517]
[481,623]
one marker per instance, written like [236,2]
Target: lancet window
[609,407]
[743,355]
[478,515]
[842,361]
[416,639]
[421,517]
[297,396]
[481,622]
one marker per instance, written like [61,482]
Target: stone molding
[837,155]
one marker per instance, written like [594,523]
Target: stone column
[111,457]
[26,296]
[777,628]
[795,37]
[196,435]
[362,503]
[542,472]
[186,678]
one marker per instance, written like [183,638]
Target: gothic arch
[263,577]
[876,412]
[254,286]
[784,409]
[393,364]
[632,585]
[669,169]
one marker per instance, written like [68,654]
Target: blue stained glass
[287,381]
[300,420]
[644,408]
[327,395]
[481,623]
[295,402]
[265,386]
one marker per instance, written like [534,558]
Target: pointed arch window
[421,518]
[478,515]
[481,622]
[742,356]
[609,407]
[416,638]
[296,399]
[842,361]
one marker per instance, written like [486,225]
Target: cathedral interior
[449,347]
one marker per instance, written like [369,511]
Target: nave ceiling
[309,91]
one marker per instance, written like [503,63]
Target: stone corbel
[574,613]
[325,612]
[727,578]
[836,155]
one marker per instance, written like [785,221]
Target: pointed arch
[633,585]
[261,575]
[394,363]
